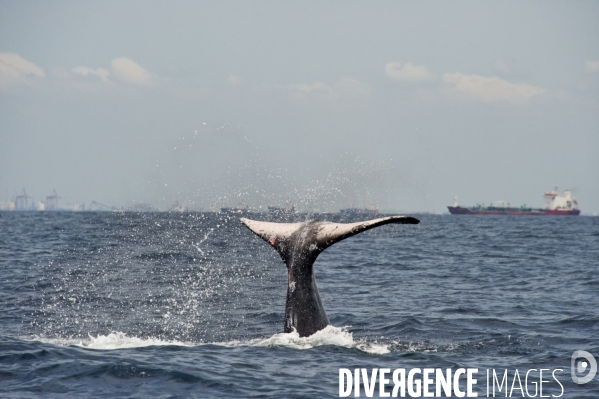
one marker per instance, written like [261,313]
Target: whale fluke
[299,244]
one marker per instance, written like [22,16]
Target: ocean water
[179,305]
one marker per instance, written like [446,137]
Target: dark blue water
[172,305]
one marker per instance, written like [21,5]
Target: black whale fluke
[299,244]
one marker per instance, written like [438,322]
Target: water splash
[111,341]
[330,335]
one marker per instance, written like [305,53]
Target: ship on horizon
[555,205]
[241,208]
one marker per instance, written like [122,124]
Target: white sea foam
[330,335]
[119,340]
[114,340]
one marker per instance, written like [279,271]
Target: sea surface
[191,305]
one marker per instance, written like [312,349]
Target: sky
[323,104]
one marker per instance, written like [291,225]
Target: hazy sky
[212,103]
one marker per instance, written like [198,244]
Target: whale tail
[325,233]
[299,244]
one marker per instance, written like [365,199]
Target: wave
[112,341]
[330,335]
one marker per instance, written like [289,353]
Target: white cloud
[99,72]
[406,72]
[317,89]
[129,71]
[123,69]
[490,89]
[346,88]
[591,66]
[15,69]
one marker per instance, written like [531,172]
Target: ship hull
[458,210]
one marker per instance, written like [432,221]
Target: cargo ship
[555,205]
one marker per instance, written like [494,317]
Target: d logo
[582,365]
